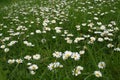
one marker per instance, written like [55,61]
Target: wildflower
[98,74]
[95,18]
[66,55]
[86,36]
[78,39]
[100,39]
[103,27]
[32,72]
[70,35]
[117,49]
[32,33]
[116,28]
[75,56]
[99,23]
[78,27]
[54,65]
[97,32]
[28,43]
[38,31]
[53,37]
[47,28]
[6,50]
[33,67]
[101,65]
[91,25]
[77,70]
[83,24]
[2,46]
[58,29]
[27,57]
[45,24]
[69,41]
[53,21]
[11,61]
[82,52]
[29,64]
[43,40]
[92,39]
[57,54]
[36,56]
[110,45]
[65,31]
[12,43]
[19,61]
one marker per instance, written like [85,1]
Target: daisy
[57,54]
[101,65]
[66,55]
[33,67]
[27,57]
[6,50]
[82,52]
[54,65]
[11,61]
[36,56]
[32,72]
[19,61]
[98,74]
[75,56]
[77,70]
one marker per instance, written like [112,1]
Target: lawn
[59,40]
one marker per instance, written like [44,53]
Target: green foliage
[3,74]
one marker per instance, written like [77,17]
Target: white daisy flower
[69,41]
[19,61]
[100,39]
[32,72]
[102,27]
[53,21]
[110,45]
[6,50]
[77,70]
[54,65]
[66,55]
[2,46]
[11,61]
[117,49]
[33,67]
[82,52]
[101,65]
[84,24]
[98,74]
[57,54]
[29,64]
[92,39]
[38,31]
[75,56]
[95,18]
[27,57]
[36,56]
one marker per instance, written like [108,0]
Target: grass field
[59,40]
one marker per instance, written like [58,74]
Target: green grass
[23,12]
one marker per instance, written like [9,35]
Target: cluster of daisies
[31,67]
[77,70]
[101,65]
[68,54]
[28,21]
[20,26]
[76,56]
